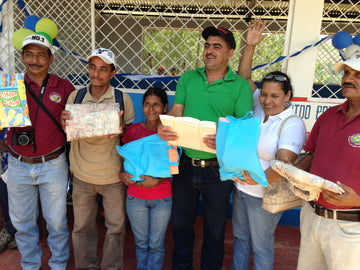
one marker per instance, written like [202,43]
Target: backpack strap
[80,95]
[119,98]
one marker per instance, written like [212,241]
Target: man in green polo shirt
[206,94]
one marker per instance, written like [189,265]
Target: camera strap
[42,90]
[38,100]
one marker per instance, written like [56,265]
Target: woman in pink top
[149,202]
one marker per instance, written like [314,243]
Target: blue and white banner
[282,58]
[24,7]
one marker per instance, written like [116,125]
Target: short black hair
[157,91]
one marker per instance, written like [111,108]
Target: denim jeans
[253,228]
[85,236]
[188,185]
[27,183]
[149,220]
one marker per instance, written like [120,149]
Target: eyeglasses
[278,78]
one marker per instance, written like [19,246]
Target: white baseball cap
[105,54]
[352,56]
[38,40]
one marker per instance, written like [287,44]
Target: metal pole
[92,15]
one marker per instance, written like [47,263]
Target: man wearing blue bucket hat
[330,225]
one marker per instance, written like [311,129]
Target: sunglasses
[278,78]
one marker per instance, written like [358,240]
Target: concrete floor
[287,240]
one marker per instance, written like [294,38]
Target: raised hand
[255,32]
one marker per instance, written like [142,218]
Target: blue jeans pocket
[130,198]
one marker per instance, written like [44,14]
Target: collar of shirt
[343,107]
[229,76]
[108,94]
[52,82]
[283,115]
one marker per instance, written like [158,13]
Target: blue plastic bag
[236,148]
[147,156]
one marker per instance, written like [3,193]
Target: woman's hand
[149,182]
[255,32]
[247,179]
[125,178]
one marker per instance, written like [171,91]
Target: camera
[23,138]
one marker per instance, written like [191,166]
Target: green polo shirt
[229,96]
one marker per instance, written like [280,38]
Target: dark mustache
[35,65]
[210,55]
[348,84]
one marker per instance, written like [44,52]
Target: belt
[40,159]
[196,162]
[348,215]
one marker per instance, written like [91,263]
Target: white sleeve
[292,135]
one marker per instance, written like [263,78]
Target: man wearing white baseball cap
[352,56]
[96,165]
[38,170]
[39,40]
[330,226]
[104,54]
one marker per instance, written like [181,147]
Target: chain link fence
[147,34]
[343,15]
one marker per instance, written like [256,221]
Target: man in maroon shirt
[330,226]
[38,169]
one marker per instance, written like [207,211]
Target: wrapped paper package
[14,111]
[190,131]
[306,185]
[92,120]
